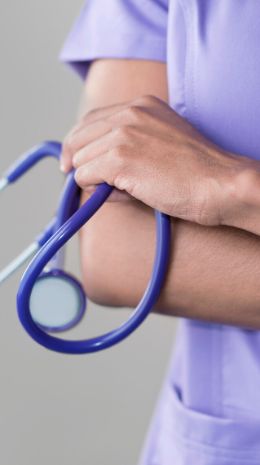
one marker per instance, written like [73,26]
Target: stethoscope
[49,299]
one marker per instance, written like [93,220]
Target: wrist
[242,208]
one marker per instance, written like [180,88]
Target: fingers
[85,131]
[90,150]
[78,138]
[112,139]
[95,172]
[98,121]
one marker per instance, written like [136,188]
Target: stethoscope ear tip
[57,301]
[3,183]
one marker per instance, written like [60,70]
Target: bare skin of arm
[214,272]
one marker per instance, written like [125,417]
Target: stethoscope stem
[27,253]
[19,261]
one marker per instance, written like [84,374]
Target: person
[170,118]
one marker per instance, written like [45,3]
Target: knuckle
[90,113]
[151,98]
[118,160]
[123,132]
[127,114]
[147,99]
[121,182]
[119,167]
[135,112]
[118,132]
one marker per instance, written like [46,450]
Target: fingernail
[63,168]
[78,172]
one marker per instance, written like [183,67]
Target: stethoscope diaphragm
[57,301]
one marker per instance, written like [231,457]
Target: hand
[146,150]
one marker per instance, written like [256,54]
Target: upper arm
[112,81]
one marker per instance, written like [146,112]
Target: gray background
[53,408]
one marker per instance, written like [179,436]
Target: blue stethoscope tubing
[69,198]
[14,173]
[66,226]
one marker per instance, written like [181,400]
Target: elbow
[101,282]
[96,287]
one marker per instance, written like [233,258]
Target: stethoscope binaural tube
[14,173]
[28,160]
[52,247]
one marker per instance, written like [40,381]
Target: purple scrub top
[209,408]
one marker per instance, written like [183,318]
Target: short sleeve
[133,29]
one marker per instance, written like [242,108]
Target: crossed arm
[214,271]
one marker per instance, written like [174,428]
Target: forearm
[213,272]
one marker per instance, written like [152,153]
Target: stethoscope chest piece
[57,301]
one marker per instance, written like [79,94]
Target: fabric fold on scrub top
[208,412]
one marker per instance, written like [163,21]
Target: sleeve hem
[78,56]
